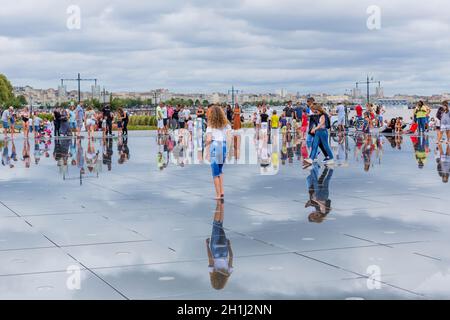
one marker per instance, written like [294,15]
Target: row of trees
[270,103]
[129,102]
[7,97]
[186,102]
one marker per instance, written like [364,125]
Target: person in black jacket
[107,114]
[57,122]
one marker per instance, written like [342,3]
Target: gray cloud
[257,45]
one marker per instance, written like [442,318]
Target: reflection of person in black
[124,151]
[319,194]
[108,152]
[220,255]
[57,151]
[65,145]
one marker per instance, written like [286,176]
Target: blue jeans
[218,245]
[319,186]
[321,137]
[218,153]
[309,140]
[422,123]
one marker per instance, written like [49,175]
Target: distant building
[379,93]
[337,99]
[356,93]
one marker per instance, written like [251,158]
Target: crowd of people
[68,153]
[311,123]
[422,121]
[303,129]
[70,121]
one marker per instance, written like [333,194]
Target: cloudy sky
[207,45]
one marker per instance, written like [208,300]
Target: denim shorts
[73,125]
[5,125]
[218,245]
[218,154]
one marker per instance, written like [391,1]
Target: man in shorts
[165,115]
[159,118]
[5,120]
[72,120]
[340,110]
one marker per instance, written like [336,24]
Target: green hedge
[142,121]
[46,116]
[136,128]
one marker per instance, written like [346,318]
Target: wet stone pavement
[131,219]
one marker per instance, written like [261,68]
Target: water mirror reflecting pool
[137,217]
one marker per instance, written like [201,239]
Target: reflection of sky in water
[144,210]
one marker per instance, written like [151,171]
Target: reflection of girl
[319,194]
[220,255]
[91,156]
[26,153]
[369,147]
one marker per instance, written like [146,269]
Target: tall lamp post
[156,95]
[104,95]
[31,105]
[79,80]
[233,93]
[368,82]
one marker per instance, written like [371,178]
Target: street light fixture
[233,95]
[368,82]
[79,79]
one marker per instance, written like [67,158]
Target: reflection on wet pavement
[136,217]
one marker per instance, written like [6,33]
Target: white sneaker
[329,162]
[307,162]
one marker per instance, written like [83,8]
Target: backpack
[327,122]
